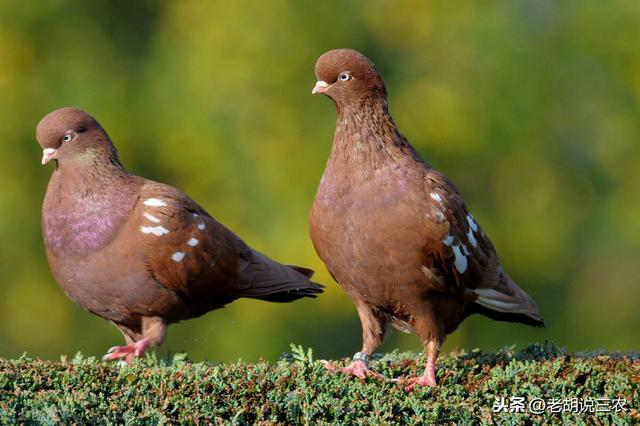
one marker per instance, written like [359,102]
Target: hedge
[475,387]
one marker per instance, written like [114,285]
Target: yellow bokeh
[531,108]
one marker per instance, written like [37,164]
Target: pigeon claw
[329,366]
[118,352]
[357,368]
[128,351]
[425,380]
[112,349]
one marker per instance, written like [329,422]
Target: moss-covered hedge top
[473,387]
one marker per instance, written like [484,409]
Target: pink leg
[373,329]
[153,331]
[428,378]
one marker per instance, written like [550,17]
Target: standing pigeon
[138,253]
[394,232]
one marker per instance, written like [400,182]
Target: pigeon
[394,232]
[139,253]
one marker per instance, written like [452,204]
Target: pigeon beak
[48,154]
[320,87]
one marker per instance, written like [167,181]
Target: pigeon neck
[85,205]
[92,171]
[367,134]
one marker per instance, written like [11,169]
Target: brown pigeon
[139,253]
[396,233]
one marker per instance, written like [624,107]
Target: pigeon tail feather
[508,302]
[304,271]
[274,282]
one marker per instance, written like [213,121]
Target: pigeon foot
[129,352]
[424,380]
[357,368]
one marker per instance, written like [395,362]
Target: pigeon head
[347,76]
[69,134]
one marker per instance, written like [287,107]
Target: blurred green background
[531,107]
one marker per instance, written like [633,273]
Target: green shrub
[298,390]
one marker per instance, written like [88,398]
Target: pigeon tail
[274,282]
[304,271]
[507,302]
[291,295]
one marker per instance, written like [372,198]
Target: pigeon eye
[67,137]
[344,76]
